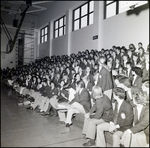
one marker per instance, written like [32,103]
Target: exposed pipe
[11,43]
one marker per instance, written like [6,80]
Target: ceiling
[17,7]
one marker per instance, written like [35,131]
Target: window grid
[59,26]
[82,17]
[44,35]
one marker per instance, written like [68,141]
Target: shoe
[62,122]
[30,107]
[45,114]
[66,130]
[87,144]
[53,115]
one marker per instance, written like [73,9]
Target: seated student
[122,120]
[138,135]
[88,74]
[80,104]
[146,67]
[52,93]
[129,70]
[100,112]
[88,83]
[126,84]
[145,87]
[137,77]
[39,97]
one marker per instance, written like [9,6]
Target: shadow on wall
[138,9]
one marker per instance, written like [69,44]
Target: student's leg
[78,107]
[116,138]
[91,131]
[85,125]
[100,138]
[70,112]
[138,140]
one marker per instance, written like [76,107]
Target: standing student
[105,77]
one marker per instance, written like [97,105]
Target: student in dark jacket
[122,120]
[101,112]
[80,104]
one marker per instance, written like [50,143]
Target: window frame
[83,16]
[63,26]
[105,7]
[45,34]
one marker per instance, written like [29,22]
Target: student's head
[140,44]
[137,71]
[125,83]
[135,56]
[139,97]
[79,85]
[128,64]
[77,77]
[52,84]
[88,69]
[102,60]
[96,92]
[118,93]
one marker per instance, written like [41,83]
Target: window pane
[76,25]
[91,19]
[111,10]
[76,14]
[56,24]
[60,31]
[64,20]
[42,32]
[46,30]
[45,38]
[56,33]
[61,22]
[84,10]
[107,2]
[84,21]
[91,6]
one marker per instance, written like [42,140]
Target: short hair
[138,71]
[126,81]
[140,97]
[120,92]
[81,83]
[96,92]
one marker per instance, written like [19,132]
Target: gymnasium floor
[26,128]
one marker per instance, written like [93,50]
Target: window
[44,34]
[83,15]
[60,27]
[115,7]
[110,8]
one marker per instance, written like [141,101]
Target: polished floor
[26,128]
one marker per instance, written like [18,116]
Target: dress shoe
[66,130]
[30,107]
[45,114]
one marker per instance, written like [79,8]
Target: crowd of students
[110,87]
